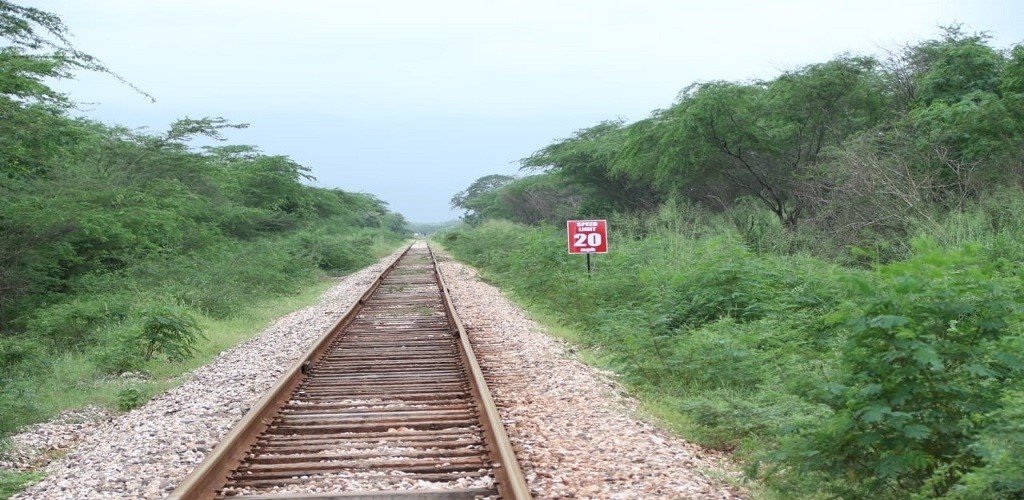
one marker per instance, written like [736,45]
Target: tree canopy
[935,121]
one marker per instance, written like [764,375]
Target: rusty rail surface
[391,393]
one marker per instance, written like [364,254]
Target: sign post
[587,237]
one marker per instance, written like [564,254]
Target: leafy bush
[728,282]
[727,418]
[923,365]
[670,313]
[332,251]
[169,331]
[19,353]
[1001,445]
[19,356]
[129,398]
[17,405]
[74,324]
[120,350]
[214,281]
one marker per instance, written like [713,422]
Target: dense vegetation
[118,246]
[820,271]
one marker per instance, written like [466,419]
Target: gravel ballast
[575,434]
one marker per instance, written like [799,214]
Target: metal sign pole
[587,236]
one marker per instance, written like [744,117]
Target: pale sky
[414,100]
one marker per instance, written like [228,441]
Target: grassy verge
[13,482]
[74,380]
[891,381]
[94,387]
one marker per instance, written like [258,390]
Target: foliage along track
[390,398]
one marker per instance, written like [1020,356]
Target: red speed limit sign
[588,236]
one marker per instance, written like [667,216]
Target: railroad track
[390,398]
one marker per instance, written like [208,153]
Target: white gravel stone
[575,434]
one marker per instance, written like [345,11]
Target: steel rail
[307,415]
[213,471]
[511,482]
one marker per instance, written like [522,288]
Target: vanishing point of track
[391,393]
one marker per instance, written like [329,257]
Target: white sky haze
[412,101]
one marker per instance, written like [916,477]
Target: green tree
[37,48]
[586,162]
[724,140]
[532,199]
[965,118]
[479,200]
[955,65]
[540,198]
[1012,83]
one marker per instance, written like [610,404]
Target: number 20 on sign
[588,236]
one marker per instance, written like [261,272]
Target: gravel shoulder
[576,435]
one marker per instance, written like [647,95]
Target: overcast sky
[414,100]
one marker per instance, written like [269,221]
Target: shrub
[333,252]
[18,354]
[899,381]
[722,279]
[74,323]
[17,407]
[129,398]
[119,350]
[215,281]
[169,331]
[1001,446]
[923,364]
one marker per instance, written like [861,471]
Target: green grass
[224,334]
[12,483]
[90,386]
